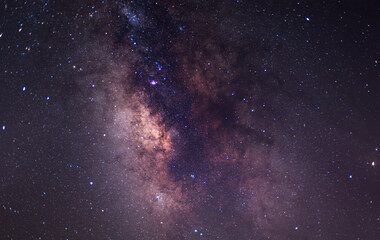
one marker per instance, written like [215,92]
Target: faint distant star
[158,197]
[91,183]
[23,89]
[3,127]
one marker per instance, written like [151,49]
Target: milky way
[203,120]
[197,124]
[193,153]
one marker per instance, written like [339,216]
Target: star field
[189,120]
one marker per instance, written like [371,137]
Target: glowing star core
[153,82]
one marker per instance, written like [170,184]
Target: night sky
[189,120]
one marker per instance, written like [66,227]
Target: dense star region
[189,120]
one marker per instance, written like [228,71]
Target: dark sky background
[189,120]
